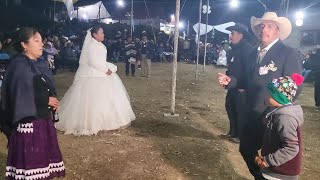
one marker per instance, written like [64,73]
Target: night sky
[221,11]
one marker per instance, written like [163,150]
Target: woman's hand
[53,102]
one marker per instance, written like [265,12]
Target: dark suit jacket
[237,62]
[286,61]
[314,64]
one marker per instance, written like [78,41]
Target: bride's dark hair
[95,29]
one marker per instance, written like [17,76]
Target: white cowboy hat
[283,24]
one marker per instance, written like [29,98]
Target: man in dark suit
[236,97]
[313,65]
[272,59]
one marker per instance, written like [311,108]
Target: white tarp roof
[92,12]
[221,27]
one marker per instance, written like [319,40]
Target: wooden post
[175,62]
[206,40]
[198,50]
[131,18]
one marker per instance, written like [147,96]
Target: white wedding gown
[95,101]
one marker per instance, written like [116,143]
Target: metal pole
[50,13]
[175,61]
[206,40]
[99,13]
[198,50]
[188,28]
[54,15]
[287,8]
[154,35]
[131,17]
[265,7]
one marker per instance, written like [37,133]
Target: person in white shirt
[222,60]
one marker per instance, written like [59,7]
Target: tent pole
[100,12]
[198,49]
[175,63]
[206,38]
[188,28]
[54,15]
[131,15]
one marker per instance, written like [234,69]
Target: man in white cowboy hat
[271,59]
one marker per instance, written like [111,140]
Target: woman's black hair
[23,35]
[95,29]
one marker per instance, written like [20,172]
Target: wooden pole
[175,62]
[206,39]
[131,15]
[198,50]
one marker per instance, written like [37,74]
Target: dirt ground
[158,147]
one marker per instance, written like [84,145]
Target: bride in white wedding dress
[97,99]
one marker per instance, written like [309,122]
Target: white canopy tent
[68,3]
[91,12]
[221,27]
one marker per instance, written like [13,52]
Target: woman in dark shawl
[27,101]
